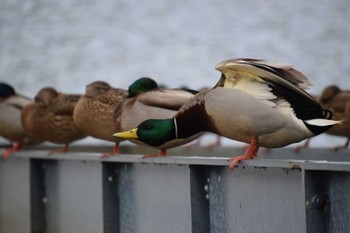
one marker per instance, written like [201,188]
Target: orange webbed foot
[59,151]
[115,152]
[250,153]
[162,153]
[9,151]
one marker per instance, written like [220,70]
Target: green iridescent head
[141,85]
[152,132]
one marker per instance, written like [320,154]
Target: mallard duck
[255,101]
[11,105]
[147,101]
[50,117]
[93,112]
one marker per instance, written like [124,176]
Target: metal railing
[191,190]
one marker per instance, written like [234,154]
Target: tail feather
[322,122]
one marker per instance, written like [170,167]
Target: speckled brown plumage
[338,102]
[93,112]
[50,117]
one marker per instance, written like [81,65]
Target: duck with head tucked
[147,101]
[11,105]
[93,112]
[50,117]
[255,101]
[338,101]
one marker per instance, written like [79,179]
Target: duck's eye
[148,127]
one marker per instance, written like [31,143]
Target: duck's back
[338,104]
[158,104]
[54,121]
[93,115]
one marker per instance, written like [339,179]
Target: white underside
[10,119]
[241,116]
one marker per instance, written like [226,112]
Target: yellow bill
[130,134]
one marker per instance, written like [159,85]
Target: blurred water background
[70,43]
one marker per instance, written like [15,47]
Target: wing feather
[265,71]
[167,99]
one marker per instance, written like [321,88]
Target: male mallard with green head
[11,105]
[50,117]
[255,101]
[93,112]
[146,100]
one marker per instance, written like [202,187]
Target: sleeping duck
[11,105]
[255,101]
[50,117]
[338,101]
[145,101]
[93,112]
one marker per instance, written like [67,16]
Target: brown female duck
[93,112]
[338,101]
[50,117]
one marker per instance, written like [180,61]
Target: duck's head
[6,91]
[45,96]
[152,132]
[328,93]
[97,88]
[141,85]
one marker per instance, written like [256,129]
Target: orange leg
[62,150]
[16,147]
[115,151]
[250,153]
[162,153]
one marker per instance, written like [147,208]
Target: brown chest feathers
[192,117]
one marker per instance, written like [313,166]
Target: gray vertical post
[338,190]
[199,200]
[316,201]
[110,182]
[15,196]
[217,204]
[37,195]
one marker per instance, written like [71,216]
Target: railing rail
[190,191]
